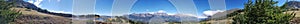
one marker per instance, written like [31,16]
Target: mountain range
[163,17]
[294,4]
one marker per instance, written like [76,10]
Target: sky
[104,7]
[59,6]
[165,5]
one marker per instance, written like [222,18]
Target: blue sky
[103,7]
[60,6]
[156,5]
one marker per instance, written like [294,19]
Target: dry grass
[33,17]
[296,19]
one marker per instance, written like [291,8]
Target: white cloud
[60,12]
[161,11]
[185,14]
[210,13]
[201,16]
[190,15]
[30,1]
[97,13]
[36,2]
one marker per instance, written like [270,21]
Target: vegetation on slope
[7,16]
[263,12]
[11,14]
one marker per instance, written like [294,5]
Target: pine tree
[7,16]
[263,12]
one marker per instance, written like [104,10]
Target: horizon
[104,7]
[149,11]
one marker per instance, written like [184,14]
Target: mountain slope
[27,5]
[294,4]
[29,16]
[223,15]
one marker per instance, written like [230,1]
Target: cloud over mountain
[211,12]
[60,12]
[36,2]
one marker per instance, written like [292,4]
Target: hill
[295,5]
[27,5]
[33,17]
[30,14]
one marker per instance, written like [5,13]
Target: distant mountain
[162,17]
[294,4]
[223,15]
[22,4]
[149,18]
